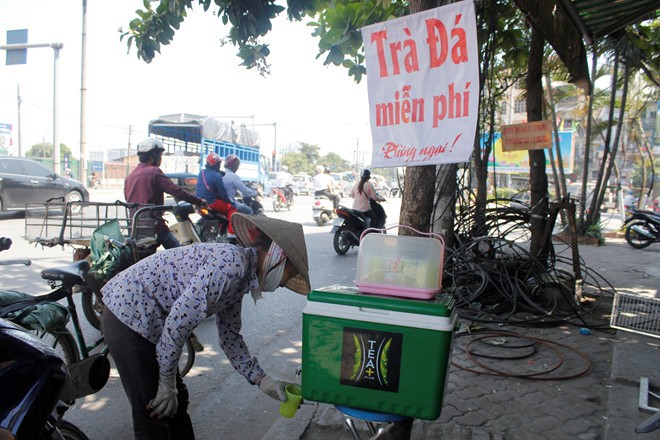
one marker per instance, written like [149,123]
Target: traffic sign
[17,56]
[97,166]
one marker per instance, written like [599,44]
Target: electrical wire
[495,279]
[551,347]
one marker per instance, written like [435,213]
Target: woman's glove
[273,387]
[165,403]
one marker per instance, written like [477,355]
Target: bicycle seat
[71,274]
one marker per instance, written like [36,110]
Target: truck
[189,138]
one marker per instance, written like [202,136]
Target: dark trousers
[288,193]
[373,218]
[328,194]
[135,359]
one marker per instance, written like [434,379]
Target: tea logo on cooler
[371,359]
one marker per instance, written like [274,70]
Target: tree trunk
[443,214]
[538,180]
[417,201]
[615,143]
[587,148]
[594,211]
[559,175]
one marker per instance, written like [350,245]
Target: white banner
[423,82]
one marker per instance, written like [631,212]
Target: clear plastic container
[405,266]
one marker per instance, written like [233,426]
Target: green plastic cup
[293,398]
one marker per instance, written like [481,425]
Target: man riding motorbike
[211,188]
[234,184]
[284,180]
[147,184]
[323,184]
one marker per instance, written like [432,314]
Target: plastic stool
[376,421]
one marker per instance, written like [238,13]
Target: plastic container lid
[390,264]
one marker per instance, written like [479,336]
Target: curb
[294,428]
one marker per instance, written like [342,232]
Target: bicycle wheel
[92,304]
[187,358]
[69,431]
[92,308]
[62,342]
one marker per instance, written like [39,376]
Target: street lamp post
[56,52]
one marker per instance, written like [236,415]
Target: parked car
[26,181]
[342,185]
[305,183]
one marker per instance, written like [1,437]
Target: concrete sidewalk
[601,404]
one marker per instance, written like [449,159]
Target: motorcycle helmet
[319,169]
[213,160]
[150,144]
[366,173]
[232,162]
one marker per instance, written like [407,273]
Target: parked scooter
[642,228]
[350,225]
[280,200]
[322,210]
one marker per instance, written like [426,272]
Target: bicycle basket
[48,316]
[108,260]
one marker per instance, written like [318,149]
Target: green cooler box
[378,353]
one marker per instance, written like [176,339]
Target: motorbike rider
[211,188]
[147,184]
[323,184]
[284,181]
[234,184]
[629,201]
[364,200]
[153,306]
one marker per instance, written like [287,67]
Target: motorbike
[642,228]
[93,181]
[349,226]
[322,209]
[253,202]
[210,228]
[33,380]
[280,200]
[36,385]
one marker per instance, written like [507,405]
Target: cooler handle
[428,234]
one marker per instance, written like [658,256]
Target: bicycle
[63,281]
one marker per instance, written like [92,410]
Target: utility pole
[128,151]
[83,95]
[18,95]
[56,135]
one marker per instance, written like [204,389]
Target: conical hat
[288,236]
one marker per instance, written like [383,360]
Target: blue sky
[308,101]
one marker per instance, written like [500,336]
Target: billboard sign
[518,161]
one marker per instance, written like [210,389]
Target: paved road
[599,405]
[223,404]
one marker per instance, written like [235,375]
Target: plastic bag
[45,317]
[109,260]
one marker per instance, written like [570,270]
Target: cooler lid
[440,305]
